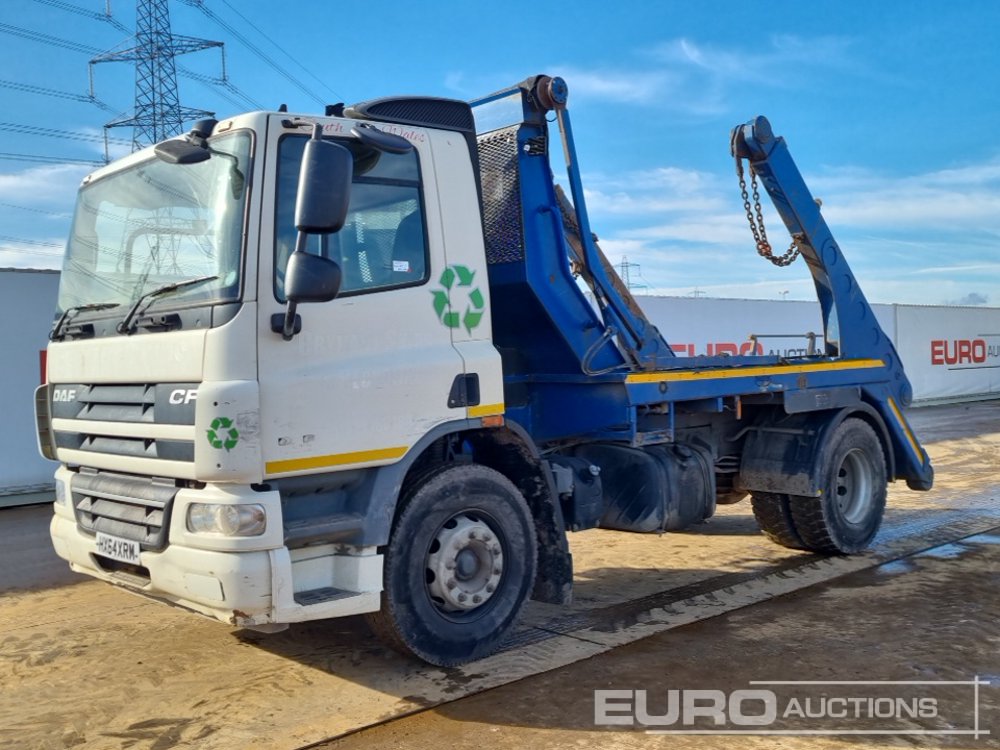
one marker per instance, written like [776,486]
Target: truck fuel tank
[656,488]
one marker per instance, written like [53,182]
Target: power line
[69,135]
[38,243]
[59,214]
[53,41]
[86,99]
[291,57]
[217,83]
[200,5]
[105,17]
[42,159]
[36,36]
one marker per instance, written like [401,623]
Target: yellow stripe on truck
[752,372]
[335,459]
[486,410]
[906,429]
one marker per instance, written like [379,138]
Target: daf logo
[64,394]
[182,396]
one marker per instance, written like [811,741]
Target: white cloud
[48,185]
[688,230]
[935,199]
[37,201]
[620,85]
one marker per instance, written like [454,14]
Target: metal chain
[757,224]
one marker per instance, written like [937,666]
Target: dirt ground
[85,664]
[930,617]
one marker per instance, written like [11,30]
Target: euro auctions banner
[950,352]
[697,326]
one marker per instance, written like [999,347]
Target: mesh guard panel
[498,169]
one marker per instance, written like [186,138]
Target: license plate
[123,550]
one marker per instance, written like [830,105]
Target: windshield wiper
[72,312]
[127,323]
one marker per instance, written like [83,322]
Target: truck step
[318,596]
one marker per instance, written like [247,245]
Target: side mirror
[320,208]
[180,151]
[308,278]
[311,278]
[324,186]
[192,149]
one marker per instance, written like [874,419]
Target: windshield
[157,223]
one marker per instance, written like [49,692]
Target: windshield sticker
[458,303]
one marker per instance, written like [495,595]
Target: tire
[774,516]
[459,566]
[844,519]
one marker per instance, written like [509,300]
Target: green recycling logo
[454,281]
[222,434]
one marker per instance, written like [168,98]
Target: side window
[383,243]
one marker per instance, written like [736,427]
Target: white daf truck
[310,366]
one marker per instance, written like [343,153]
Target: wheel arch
[510,451]
[783,454]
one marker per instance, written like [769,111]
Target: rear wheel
[774,516]
[846,516]
[458,568]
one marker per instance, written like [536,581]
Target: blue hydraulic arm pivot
[646,347]
[851,330]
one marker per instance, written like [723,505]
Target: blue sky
[891,110]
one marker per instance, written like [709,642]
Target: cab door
[370,372]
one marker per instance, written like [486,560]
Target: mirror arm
[288,329]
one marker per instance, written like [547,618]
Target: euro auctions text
[802,707]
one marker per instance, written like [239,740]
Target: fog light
[226,520]
[61,493]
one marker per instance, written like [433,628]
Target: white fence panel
[950,353]
[28,304]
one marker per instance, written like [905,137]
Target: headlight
[61,492]
[226,520]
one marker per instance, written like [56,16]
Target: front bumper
[247,582]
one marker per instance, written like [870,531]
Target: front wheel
[459,567]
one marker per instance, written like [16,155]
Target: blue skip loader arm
[851,330]
[622,339]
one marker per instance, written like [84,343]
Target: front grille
[124,506]
[135,403]
[168,450]
[150,403]
[498,168]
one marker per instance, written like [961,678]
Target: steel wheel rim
[464,564]
[854,482]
